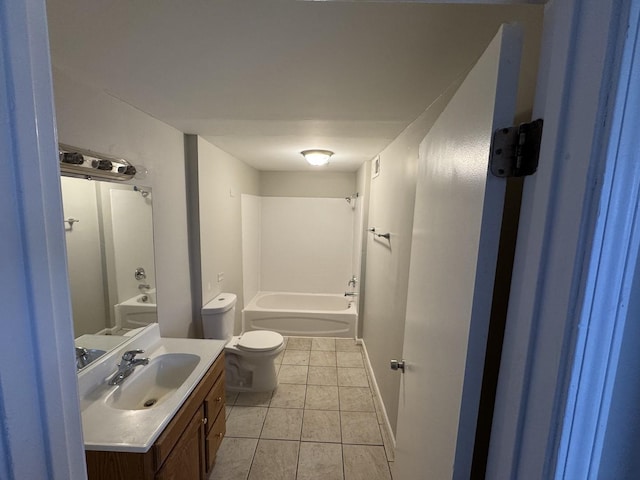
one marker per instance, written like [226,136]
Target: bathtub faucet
[350,294]
[353,281]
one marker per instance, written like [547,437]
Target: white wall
[391,209]
[90,118]
[387,263]
[305,244]
[222,179]
[84,256]
[307,184]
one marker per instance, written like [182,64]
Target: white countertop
[100,342]
[112,429]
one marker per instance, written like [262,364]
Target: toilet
[249,358]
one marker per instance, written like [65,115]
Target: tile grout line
[344,472]
[259,438]
[344,468]
[299,448]
[306,384]
[253,457]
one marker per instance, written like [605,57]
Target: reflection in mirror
[109,236]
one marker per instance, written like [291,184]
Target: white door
[456,229]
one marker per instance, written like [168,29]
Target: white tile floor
[322,421]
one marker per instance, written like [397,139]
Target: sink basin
[152,384]
[115,418]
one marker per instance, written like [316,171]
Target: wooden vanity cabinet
[186,458]
[185,450]
[215,425]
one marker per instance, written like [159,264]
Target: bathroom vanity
[178,435]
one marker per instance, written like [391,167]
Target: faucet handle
[130,354]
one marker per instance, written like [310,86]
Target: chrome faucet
[144,286]
[353,282]
[81,357]
[127,365]
[350,294]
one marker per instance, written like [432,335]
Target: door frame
[41,435]
[611,279]
[583,43]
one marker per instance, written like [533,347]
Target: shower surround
[297,245]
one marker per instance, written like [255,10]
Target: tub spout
[350,294]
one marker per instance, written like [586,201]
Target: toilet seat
[259,341]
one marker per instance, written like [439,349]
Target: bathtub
[302,314]
[138,311]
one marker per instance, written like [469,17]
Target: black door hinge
[515,150]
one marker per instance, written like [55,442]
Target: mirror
[109,236]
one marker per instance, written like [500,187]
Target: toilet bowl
[249,357]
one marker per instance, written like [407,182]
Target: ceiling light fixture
[317,157]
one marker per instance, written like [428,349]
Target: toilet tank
[218,317]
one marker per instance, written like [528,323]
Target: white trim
[612,271]
[376,165]
[380,408]
[41,427]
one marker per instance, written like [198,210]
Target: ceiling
[265,79]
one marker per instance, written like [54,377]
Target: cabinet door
[214,402]
[186,460]
[214,439]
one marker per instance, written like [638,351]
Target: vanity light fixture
[317,157]
[77,162]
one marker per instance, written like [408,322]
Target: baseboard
[385,424]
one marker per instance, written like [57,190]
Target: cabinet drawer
[214,402]
[214,439]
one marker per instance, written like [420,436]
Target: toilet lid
[260,341]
